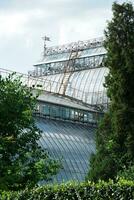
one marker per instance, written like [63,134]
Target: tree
[22,161]
[115,135]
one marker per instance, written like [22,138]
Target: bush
[123,190]
[23,163]
[127,173]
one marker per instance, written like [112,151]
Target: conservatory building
[72,100]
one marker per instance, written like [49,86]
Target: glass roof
[88,85]
[65,141]
[85,85]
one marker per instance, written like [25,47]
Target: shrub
[127,173]
[122,190]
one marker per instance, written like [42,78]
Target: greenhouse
[72,99]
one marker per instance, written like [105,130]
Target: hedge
[122,190]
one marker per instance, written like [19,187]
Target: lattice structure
[75,46]
[80,76]
[55,59]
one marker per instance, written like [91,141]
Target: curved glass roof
[72,143]
[88,85]
[85,85]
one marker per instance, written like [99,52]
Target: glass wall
[58,67]
[67,113]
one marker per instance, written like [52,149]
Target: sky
[23,23]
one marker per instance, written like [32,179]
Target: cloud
[90,25]
[23,23]
[13,23]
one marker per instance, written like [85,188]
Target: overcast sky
[24,22]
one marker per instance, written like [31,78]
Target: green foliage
[71,191]
[127,173]
[103,164]
[22,161]
[115,135]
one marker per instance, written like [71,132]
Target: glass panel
[71,114]
[55,57]
[46,110]
[92,51]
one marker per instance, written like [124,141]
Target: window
[46,110]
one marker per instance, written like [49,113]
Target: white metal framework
[75,70]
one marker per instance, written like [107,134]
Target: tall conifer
[115,135]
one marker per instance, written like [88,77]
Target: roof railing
[79,45]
